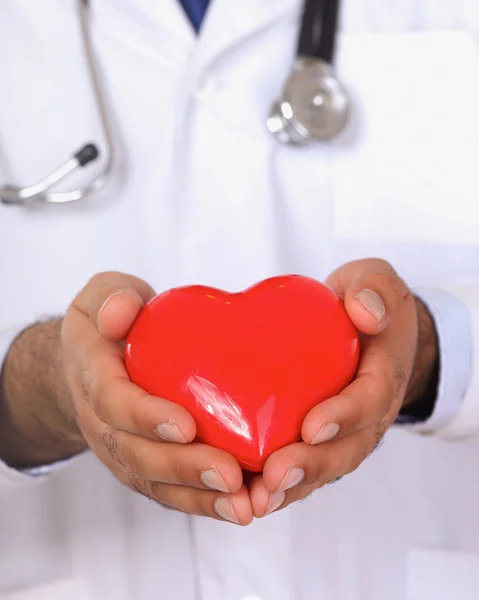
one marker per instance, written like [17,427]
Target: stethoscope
[313,107]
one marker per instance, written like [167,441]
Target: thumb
[112,302]
[373,293]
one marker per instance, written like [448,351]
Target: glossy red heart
[248,366]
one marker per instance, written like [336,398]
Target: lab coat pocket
[408,170]
[442,575]
[65,589]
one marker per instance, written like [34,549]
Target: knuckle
[99,279]
[151,491]
[390,288]
[373,267]
[401,378]
[347,462]
[351,465]
[206,505]
[134,456]
[179,473]
[388,282]
[367,446]
[140,485]
[96,278]
[355,464]
[379,433]
[181,504]
[362,450]
[90,291]
[347,465]
[86,384]
[136,411]
[397,377]
[301,494]
[351,411]
[379,394]
[134,418]
[174,497]
[109,439]
[100,393]
[99,287]
[335,468]
[394,288]
[99,403]
[383,266]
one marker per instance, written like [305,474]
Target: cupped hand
[341,432]
[145,441]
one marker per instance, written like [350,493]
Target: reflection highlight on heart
[219,405]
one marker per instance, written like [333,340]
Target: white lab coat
[202,194]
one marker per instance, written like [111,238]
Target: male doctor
[200,192]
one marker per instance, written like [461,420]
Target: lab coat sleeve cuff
[453,326]
[11,479]
[465,421]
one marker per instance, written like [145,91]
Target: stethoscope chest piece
[314,106]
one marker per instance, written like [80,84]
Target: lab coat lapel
[228,23]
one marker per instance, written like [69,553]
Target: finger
[123,405]
[264,503]
[373,293]
[112,301]
[193,465]
[235,508]
[301,464]
[380,384]
[96,372]
[376,394]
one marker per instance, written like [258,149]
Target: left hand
[398,352]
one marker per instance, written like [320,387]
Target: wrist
[62,397]
[37,424]
[423,381]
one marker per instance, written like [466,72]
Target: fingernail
[327,432]
[98,319]
[276,499]
[213,480]
[170,433]
[372,303]
[293,477]
[224,509]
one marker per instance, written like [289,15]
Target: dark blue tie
[195,9]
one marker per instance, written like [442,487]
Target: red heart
[247,366]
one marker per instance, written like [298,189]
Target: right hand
[145,441]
